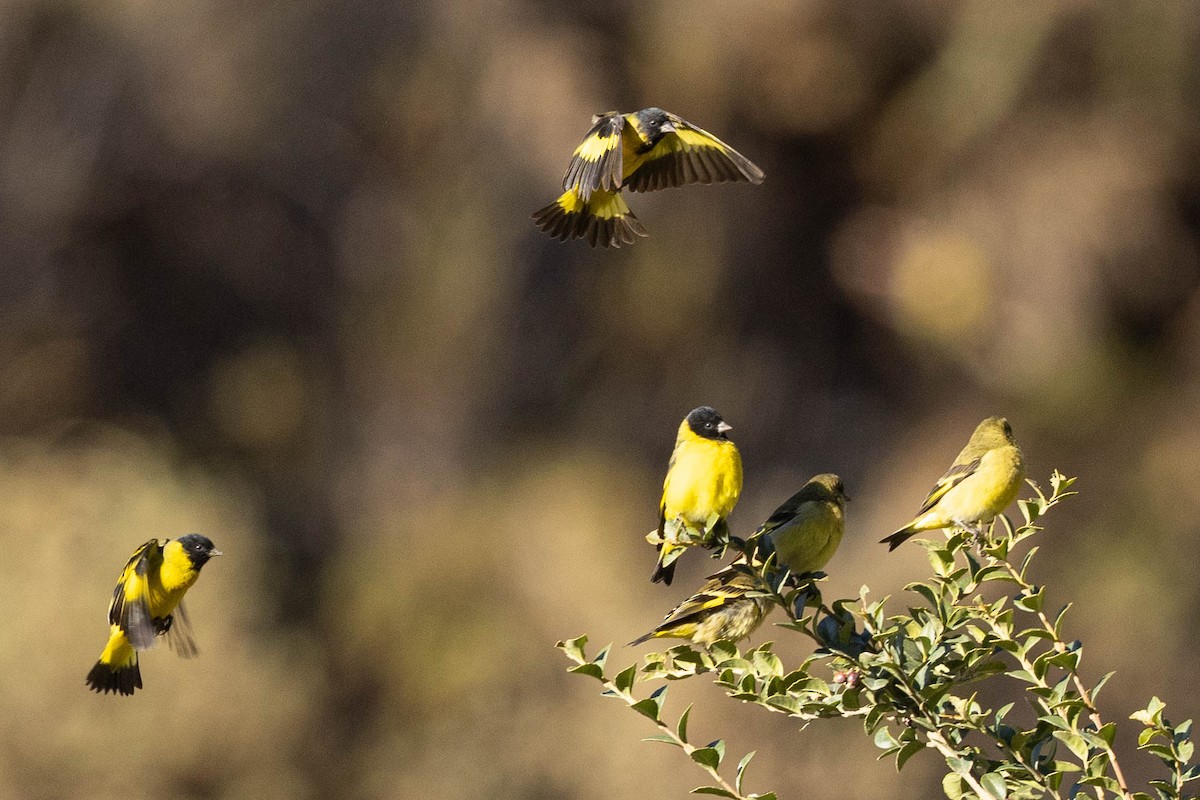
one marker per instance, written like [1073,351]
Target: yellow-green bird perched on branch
[641,151]
[803,533]
[148,602]
[703,483]
[980,484]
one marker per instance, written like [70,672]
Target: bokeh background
[267,272]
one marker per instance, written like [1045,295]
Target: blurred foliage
[915,678]
[269,275]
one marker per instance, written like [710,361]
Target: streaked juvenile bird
[981,482]
[703,483]
[724,608]
[148,602]
[642,151]
[803,533]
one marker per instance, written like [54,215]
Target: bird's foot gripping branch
[914,678]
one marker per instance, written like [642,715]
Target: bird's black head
[199,549]
[653,124]
[707,423]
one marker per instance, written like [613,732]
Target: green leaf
[764,796]
[724,650]
[1107,733]
[1031,601]
[665,738]
[594,670]
[993,782]
[1030,510]
[574,648]
[1074,743]
[926,591]
[717,790]
[652,706]
[681,728]
[1058,620]
[909,750]
[767,664]
[1025,562]
[785,703]
[709,756]
[741,769]
[624,679]
[960,766]
[884,739]
[1100,685]
[1151,714]
[953,786]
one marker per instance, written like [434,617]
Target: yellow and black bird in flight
[641,151]
[147,603]
[703,483]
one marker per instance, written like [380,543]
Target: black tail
[664,574]
[898,538]
[104,679]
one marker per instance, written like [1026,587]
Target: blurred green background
[267,273]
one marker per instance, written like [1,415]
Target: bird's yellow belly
[702,486]
[979,498]
[810,549]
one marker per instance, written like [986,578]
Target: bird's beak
[667,127]
[724,427]
[215,553]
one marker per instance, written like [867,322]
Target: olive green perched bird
[980,484]
[642,151]
[803,533]
[147,603]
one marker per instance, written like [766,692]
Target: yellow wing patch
[953,477]
[690,155]
[597,162]
[130,608]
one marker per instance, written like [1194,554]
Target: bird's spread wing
[179,633]
[596,162]
[690,155]
[130,609]
[953,477]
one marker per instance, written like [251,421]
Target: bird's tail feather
[899,537]
[604,219]
[664,571]
[105,678]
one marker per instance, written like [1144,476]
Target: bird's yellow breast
[705,479]
[985,493]
[806,543]
[166,585]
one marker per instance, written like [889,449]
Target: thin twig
[936,739]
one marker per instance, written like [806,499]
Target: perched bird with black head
[703,483]
[984,478]
[642,151]
[147,603]
[803,533]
